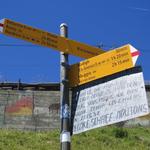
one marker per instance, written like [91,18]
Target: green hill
[106,138]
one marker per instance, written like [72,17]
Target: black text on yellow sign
[99,66]
[50,40]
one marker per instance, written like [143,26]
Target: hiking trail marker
[102,104]
[103,65]
[50,40]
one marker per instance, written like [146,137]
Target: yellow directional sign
[47,39]
[102,65]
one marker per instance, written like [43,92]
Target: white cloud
[140,9]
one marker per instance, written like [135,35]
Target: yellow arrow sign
[102,65]
[43,38]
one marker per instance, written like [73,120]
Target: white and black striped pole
[64,95]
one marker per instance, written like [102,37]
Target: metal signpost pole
[64,95]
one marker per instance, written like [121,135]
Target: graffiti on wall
[54,108]
[22,107]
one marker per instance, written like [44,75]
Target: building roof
[31,86]
[41,86]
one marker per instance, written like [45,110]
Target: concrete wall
[29,110]
[39,110]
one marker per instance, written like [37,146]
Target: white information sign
[114,101]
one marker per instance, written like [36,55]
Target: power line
[19,45]
[111,47]
[107,47]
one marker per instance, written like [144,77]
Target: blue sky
[111,23]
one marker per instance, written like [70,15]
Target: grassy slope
[108,138]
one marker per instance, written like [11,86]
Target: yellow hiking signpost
[50,40]
[98,64]
[102,65]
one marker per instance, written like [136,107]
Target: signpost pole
[64,95]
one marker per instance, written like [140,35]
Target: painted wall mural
[22,107]
[29,110]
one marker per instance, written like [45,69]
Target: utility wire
[19,45]
[111,47]
[107,47]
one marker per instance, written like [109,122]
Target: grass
[106,138]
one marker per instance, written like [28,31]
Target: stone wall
[29,110]
[39,110]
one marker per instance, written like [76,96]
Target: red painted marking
[24,102]
[1,25]
[136,53]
